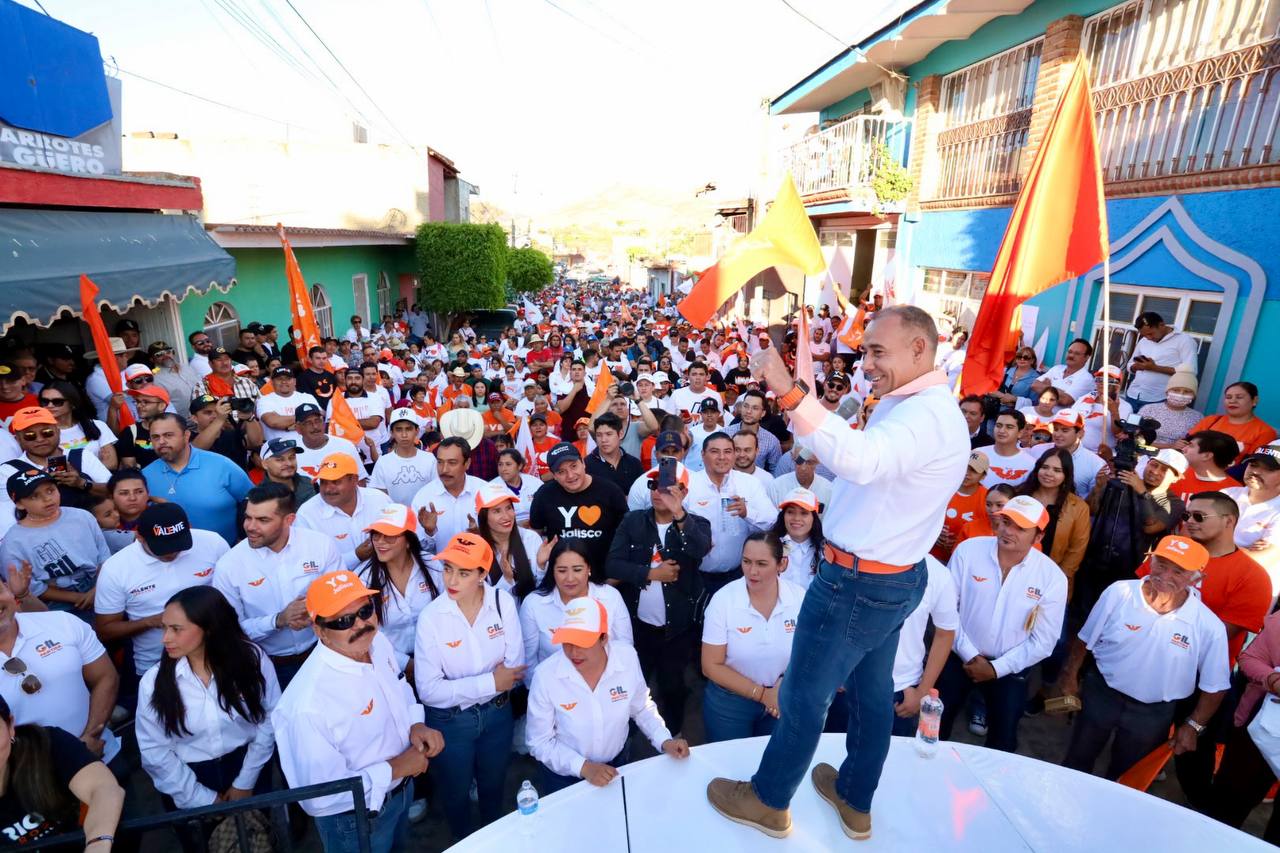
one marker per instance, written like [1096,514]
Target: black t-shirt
[242,356]
[738,376]
[590,516]
[777,425]
[627,472]
[18,826]
[135,442]
[317,383]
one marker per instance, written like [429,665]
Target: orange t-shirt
[1250,435]
[450,393]
[1237,590]
[491,422]
[980,526]
[646,451]
[961,510]
[540,449]
[1191,484]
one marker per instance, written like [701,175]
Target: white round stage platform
[965,798]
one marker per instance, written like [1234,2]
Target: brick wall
[1057,61]
[927,123]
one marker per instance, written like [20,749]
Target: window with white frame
[222,325]
[1192,311]
[952,297]
[996,86]
[322,309]
[384,296]
[360,297]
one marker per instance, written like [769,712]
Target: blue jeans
[847,634]
[728,716]
[904,726]
[388,832]
[1006,700]
[477,745]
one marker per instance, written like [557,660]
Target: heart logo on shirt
[589,514]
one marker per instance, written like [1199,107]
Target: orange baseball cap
[467,551]
[1183,552]
[801,497]
[1026,512]
[29,417]
[585,619]
[491,494]
[1068,418]
[335,466]
[331,592]
[394,520]
[151,390]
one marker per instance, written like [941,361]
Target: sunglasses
[1041,438]
[32,435]
[142,380]
[1198,517]
[1025,358]
[344,623]
[30,683]
[52,401]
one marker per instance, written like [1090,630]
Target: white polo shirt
[456,513]
[996,614]
[1154,657]
[346,530]
[309,460]
[1086,463]
[685,399]
[938,604]
[137,584]
[340,718]
[453,660]
[1077,384]
[541,615]
[1172,350]
[728,531]
[1094,414]
[757,647]
[1013,470]
[402,477]
[56,646]
[278,404]
[260,582]
[400,611]
[569,723]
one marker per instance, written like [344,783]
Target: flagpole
[1106,347]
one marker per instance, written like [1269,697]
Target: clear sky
[550,99]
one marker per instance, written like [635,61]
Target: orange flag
[1058,231]
[1142,774]
[785,237]
[603,381]
[851,330]
[306,334]
[102,343]
[342,421]
[625,314]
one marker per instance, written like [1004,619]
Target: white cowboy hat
[117,347]
[467,424]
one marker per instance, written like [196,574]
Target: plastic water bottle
[527,803]
[930,723]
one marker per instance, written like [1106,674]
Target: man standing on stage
[893,482]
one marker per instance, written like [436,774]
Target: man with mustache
[349,712]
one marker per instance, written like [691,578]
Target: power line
[862,54]
[591,27]
[600,10]
[346,71]
[43,9]
[207,100]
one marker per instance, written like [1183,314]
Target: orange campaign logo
[978,579]
[589,514]
[205,573]
[569,706]
[1010,473]
[368,709]
[453,644]
[746,630]
[1133,627]
[258,582]
[575,611]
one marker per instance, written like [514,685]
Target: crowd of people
[408,553]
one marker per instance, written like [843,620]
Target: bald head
[901,344]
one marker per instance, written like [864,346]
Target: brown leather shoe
[738,802]
[856,824]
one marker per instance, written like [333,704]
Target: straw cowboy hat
[467,424]
[117,347]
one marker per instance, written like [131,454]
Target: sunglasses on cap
[143,380]
[345,623]
[1198,516]
[32,435]
[30,683]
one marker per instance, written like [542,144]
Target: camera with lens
[1136,435]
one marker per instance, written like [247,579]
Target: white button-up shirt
[137,584]
[895,477]
[1077,384]
[1154,657]
[1012,621]
[346,530]
[799,561]
[1173,350]
[540,615]
[211,732]
[938,604]
[1094,413]
[756,647]
[455,513]
[453,660]
[260,582]
[340,718]
[728,531]
[400,612]
[569,723]
[1258,531]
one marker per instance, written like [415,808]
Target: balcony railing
[844,157]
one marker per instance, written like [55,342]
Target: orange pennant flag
[306,334]
[1141,775]
[1057,231]
[625,314]
[851,330]
[785,237]
[342,421]
[102,344]
[603,381]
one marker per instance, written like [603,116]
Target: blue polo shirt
[209,489]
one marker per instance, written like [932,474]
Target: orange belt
[845,560]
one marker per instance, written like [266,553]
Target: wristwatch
[792,398]
[1197,727]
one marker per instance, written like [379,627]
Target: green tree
[529,270]
[461,266]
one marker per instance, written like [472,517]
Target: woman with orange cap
[568,577]
[398,570]
[519,554]
[572,739]
[799,526]
[468,655]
